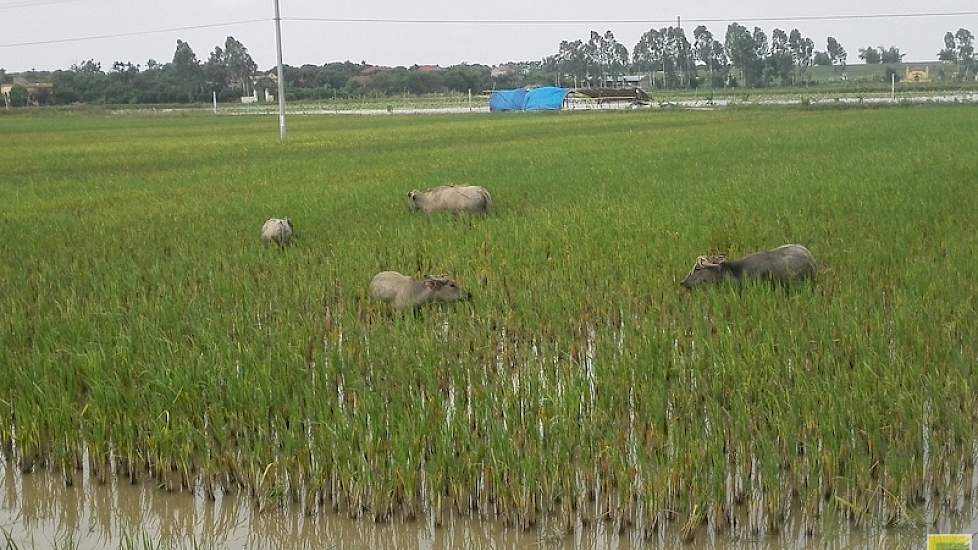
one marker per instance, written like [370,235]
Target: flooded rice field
[38,511]
[167,381]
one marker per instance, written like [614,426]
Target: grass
[140,318]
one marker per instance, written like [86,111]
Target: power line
[135,33]
[841,17]
[16,5]
[471,21]
[518,22]
[622,21]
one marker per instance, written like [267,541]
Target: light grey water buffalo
[783,264]
[278,231]
[405,292]
[450,198]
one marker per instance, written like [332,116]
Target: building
[916,73]
[36,91]
[255,97]
[502,70]
[427,69]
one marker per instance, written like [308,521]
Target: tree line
[744,57]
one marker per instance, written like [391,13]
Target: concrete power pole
[281,77]
[679,25]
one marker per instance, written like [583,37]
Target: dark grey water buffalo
[405,292]
[783,264]
[450,198]
[278,231]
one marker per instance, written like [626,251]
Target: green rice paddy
[146,331]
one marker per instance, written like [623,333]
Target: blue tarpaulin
[507,100]
[538,99]
[545,99]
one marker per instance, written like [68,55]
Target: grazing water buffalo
[405,292]
[450,198]
[783,264]
[278,231]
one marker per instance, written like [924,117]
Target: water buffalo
[783,264]
[278,231]
[405,292]
[451,198]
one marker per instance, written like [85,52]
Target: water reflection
[38,511]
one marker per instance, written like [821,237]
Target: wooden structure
[917,74]
[606,98]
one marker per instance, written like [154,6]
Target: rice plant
[145,333]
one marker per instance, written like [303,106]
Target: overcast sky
[407,44]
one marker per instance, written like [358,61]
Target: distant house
[266,96]
[371,70]
[502,70]
[917,73]
[368,73]
[36,91]
[428,69]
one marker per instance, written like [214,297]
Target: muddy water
[38,511]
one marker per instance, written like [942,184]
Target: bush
[889,74]
[18,96]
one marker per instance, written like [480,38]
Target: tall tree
[780,60]
[837,54]
[592,56]
[891,55]
[681,53]
[704,50]
[125,72]
[761,51]
[648,53]
[87,67]
[613,54]
[802,50]
[740,47]
[965,43]
[184,59]
[796,44]
[186,69]
[965,52]
[571,60]
[870,55]
[807,57]
[240,66]
[722,61]
[950,53]
[216,70]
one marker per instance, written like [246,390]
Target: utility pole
[679,25]
[281,77]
